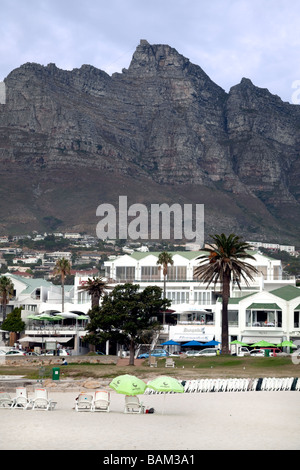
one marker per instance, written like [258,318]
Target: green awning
[262,306]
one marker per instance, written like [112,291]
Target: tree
[62,268]
[14,322]
[224,263]
[126,315]
[6,293]
[96,288]
[164,259]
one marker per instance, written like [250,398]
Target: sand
[188,421]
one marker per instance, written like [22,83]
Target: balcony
[263,324]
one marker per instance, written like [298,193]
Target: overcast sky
[228,39]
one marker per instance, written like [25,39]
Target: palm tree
[164,259]
[62,268]
[224,263]
[96,287]
[6,293]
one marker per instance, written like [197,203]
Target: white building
[38,296]
[273,246]
[197,309]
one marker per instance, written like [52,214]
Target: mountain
[160,131]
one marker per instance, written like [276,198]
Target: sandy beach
[189,421]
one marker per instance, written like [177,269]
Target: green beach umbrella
[166,384]
[239,342]
[289,344]
[128,385]
[44,317]
[33,317]
[263,344]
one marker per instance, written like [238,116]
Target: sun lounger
[133,405]
[84,402]
[21,399]
[152,361]
[41,400]
[6,401]
[169,362]
[101,401]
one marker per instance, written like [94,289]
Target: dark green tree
[126,315]
[13,321]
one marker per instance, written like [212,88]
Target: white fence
[239,385]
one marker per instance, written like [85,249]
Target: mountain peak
[154,57]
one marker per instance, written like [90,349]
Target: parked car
[208,352]
[202,352]
[257,353]
[2,353]
[15,352]
[176,354]
[62,353]
[243,351]
[32,353]
[192,352]
[155,353]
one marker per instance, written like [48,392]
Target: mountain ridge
[162,126]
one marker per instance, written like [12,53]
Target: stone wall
[55,360]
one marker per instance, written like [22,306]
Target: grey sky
[228,39]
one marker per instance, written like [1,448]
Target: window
[233,317]
[296,318]
[178,297]
[176,273]
[202,297]
[262,270]
[264,318]
[150,273]
[125,273]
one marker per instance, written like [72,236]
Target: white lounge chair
[84,402]
[6,401]
[101,401]
[254,384]
[198,385]
[218,383]
[169,362]
[21,399]
[187,386]
[41,400]
[152,361]
[133,405]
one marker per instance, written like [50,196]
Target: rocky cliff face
[160,131]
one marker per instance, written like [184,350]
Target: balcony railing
[195,322]
[261,324]
[54,328]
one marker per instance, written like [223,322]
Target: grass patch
[188,368]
